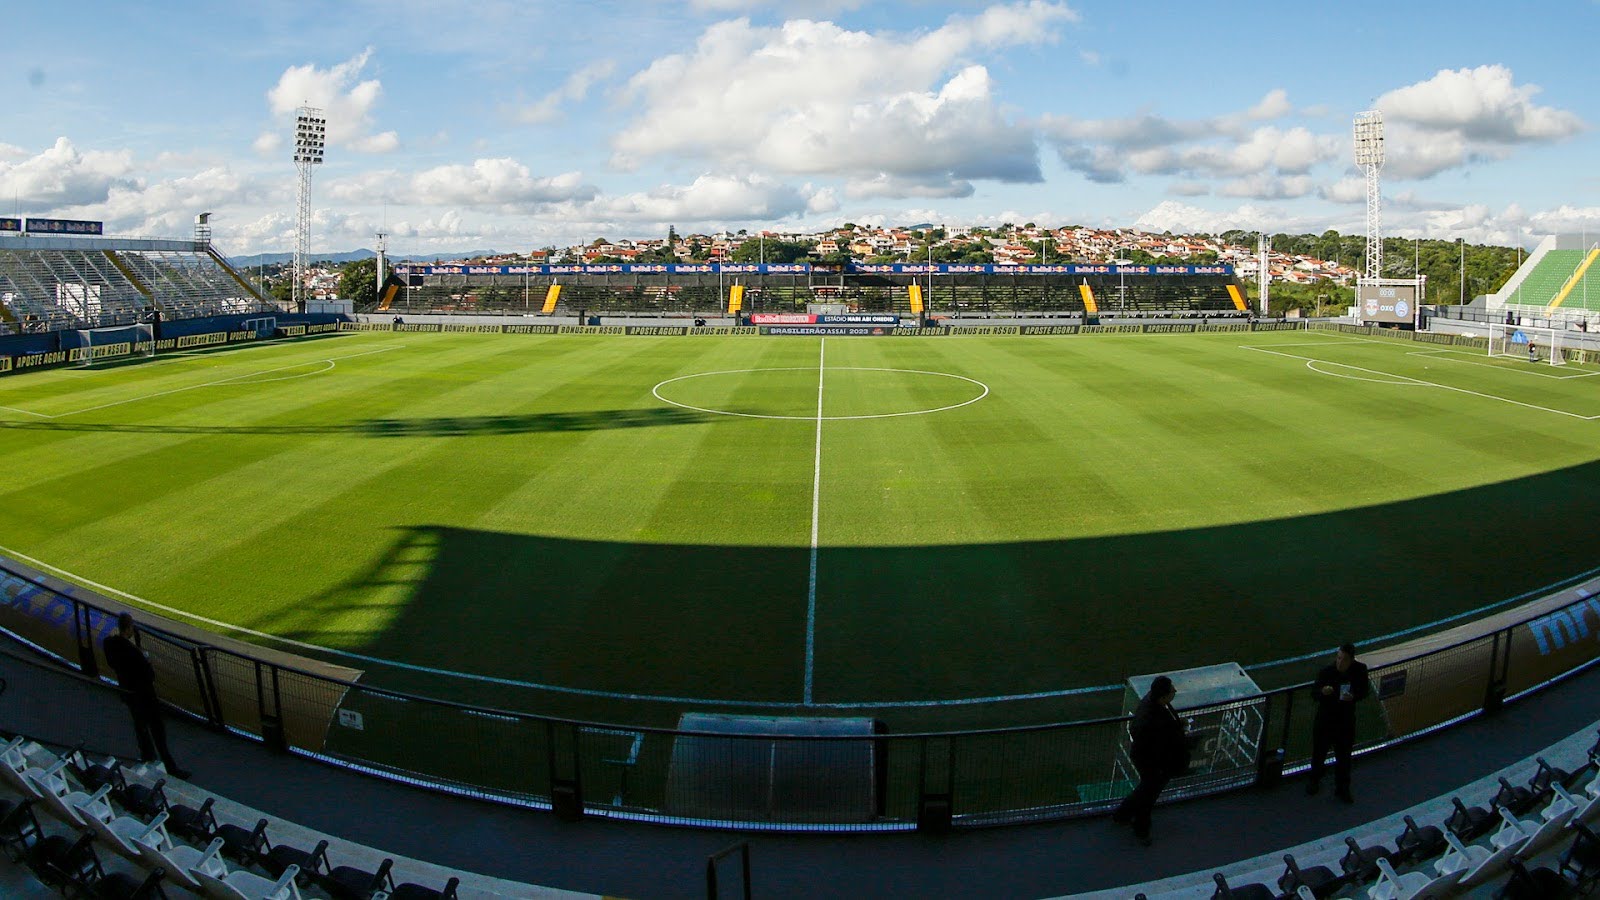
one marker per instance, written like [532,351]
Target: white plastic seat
[120,833]
[15,766]
[58,797]
[1588,803]
[240,885]
[1558,814]
[1512,831]
[1476,864]
[161,851]
[13,762]
[1411,886]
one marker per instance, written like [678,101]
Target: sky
[510,126]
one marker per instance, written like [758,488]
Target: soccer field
[940,532]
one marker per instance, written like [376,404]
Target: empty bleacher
[52,284]
[1551,275]
[1003,294]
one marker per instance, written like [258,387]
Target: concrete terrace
[507,852]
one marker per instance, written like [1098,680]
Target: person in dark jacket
[137,678]
[1160,751]
[1337,690]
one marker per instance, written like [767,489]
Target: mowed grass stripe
[522,506]
[407,472]
[146,498]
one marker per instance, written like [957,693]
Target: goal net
[100,344]
[264,327]
[1526,342]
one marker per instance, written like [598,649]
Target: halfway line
[816,506]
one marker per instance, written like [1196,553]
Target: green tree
[358,281]
[775,251]
[281,289]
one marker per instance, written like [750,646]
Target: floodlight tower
[310,134]
[382,271]
[1263,269]
[1369,156]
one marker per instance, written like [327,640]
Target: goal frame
[142,343]
[1504,342]
[263,326]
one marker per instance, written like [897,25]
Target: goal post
[1528,342]
[117,342]
[264,327]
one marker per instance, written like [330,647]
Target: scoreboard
[1389,302]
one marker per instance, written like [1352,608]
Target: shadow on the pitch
[445,426]
[687,619]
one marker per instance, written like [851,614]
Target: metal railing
[815,782]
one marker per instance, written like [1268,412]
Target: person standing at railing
[1337,690]
[1160,751]
[137,678]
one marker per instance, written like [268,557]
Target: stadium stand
[1547,279]
[1555,787]
[455,289]
[50,284]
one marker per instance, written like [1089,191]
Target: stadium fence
[808,780]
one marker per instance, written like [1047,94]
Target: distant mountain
[272,259]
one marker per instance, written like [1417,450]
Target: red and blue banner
[63,226]
[806,268]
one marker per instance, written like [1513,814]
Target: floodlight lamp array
[1369,138]
[310,135]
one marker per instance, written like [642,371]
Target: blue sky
[507,125]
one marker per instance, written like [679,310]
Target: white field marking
[1407,380]
[28,412]
[1520,367]
[1312,365]
[233,380]
[173,356]
[1343,343]
[816,508]
[780,704]
[656,392]
[328,365]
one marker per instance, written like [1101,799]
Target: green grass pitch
[625,528]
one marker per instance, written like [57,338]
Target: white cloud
[709,198]
[1232,145]
[1182,218]
[1346,190]
[1481,104]
[808,8]
[495,182]
[62,175]
[1189,188]
[342,95]
[1464,116]
[812,98]
[1263,186]
[500,184]
[387,142]
[1275,105]
[575,89]
[1566,219]
[889,186]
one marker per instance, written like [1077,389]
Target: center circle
[784,392]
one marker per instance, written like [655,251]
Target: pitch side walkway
[631,860]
